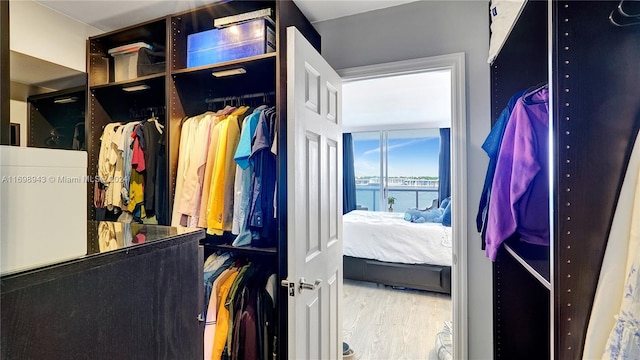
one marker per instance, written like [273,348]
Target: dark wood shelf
[195,85]
[248,63]
[242,250]
[534,259]
[152,31]
[131,82]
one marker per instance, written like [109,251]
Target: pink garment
[137,160]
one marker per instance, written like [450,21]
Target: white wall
[18,115]
[430,28]
[43,33]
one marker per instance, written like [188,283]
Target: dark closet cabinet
[180,92]
[543,295]
[56,119]
[125,301]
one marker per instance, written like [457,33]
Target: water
[405,197]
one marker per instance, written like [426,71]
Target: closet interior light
[229,72]
[135,88]
[66,100]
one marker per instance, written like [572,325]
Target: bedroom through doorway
[398,227]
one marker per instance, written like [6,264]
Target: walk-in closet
[187,99]
[544,295]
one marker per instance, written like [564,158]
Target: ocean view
[368,197]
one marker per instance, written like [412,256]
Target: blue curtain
[348,175]
[444,190]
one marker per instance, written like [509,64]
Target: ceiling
[421,100]
[110,15]
[405,105]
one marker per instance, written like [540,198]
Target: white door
[314,203]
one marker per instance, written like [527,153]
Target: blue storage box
[251,38]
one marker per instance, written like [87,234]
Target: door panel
[332,209]
[314,203]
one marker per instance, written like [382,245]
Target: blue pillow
[445,203]
[422,216]
[446,216]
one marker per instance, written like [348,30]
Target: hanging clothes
[194,152]
[162,195]
[136,184]
[183,155]
[240,313]
[491,146]
[622,249]
[125,146]
[222,322]
[261,215]
[623,342]
[107,157]
[152,133]
[114,202]
[208,175]
[128,169]
[212,310]
[242,184]
[519,200]
[200,152]
[222,183]
[233,137]
[211,190]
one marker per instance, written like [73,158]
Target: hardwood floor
[391,324]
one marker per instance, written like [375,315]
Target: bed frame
[416,276]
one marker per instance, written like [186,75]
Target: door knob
[304,285]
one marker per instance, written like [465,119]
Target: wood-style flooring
[383,323]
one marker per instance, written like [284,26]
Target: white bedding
[388,237]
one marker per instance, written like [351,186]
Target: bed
[384,248]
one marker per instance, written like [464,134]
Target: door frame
[456,64]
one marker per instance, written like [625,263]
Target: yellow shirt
[233,137]
[208,173]
[216,191]
[212,312]
[222,322]
[222,183]
[136,192]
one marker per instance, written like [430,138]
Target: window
[402,164]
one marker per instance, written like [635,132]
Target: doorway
[453,67]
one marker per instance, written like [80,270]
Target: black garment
[161,202]
[150,147]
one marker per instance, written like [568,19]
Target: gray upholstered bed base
[417,276]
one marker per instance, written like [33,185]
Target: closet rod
[239,97]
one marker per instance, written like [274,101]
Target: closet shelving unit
[543,296]
[108,100]
[186,92]
[57,111]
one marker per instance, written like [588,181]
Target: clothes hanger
[626,13]
[626,20]
[154,120]
[526,98]
[612,19]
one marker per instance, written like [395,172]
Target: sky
[407,156]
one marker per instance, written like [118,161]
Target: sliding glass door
[368,169]
[396,169]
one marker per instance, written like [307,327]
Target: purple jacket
[519,199]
